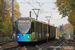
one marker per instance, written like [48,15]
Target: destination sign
[23,20]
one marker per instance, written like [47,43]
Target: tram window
[40,29]
[45,30]
[32,26]
[31,29]
[17,31]
[37,28]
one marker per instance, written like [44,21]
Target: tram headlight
[28,36]
[17,36]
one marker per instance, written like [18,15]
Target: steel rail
[5,42]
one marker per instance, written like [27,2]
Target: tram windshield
[24,26]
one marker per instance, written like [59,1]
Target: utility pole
[36,13]
[12,17]
[30,14]
[48,19]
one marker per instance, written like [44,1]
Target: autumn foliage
[67,8]
[6,16]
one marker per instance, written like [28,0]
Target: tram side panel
[52,32]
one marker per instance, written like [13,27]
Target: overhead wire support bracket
[36,13]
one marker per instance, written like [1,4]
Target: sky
[47,9]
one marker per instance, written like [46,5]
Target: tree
[67,28]
[16,8]
[6,15]
[3,25]
[66,8]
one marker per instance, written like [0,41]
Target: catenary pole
[48,19]
[30,14]
[12,17]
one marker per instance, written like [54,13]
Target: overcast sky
[46,9]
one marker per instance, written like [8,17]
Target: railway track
[51,45]
[17,47]
[4,42]
[12,48]
[7,44]
[69,45]
[70,42]
[59,45]
[37,47]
